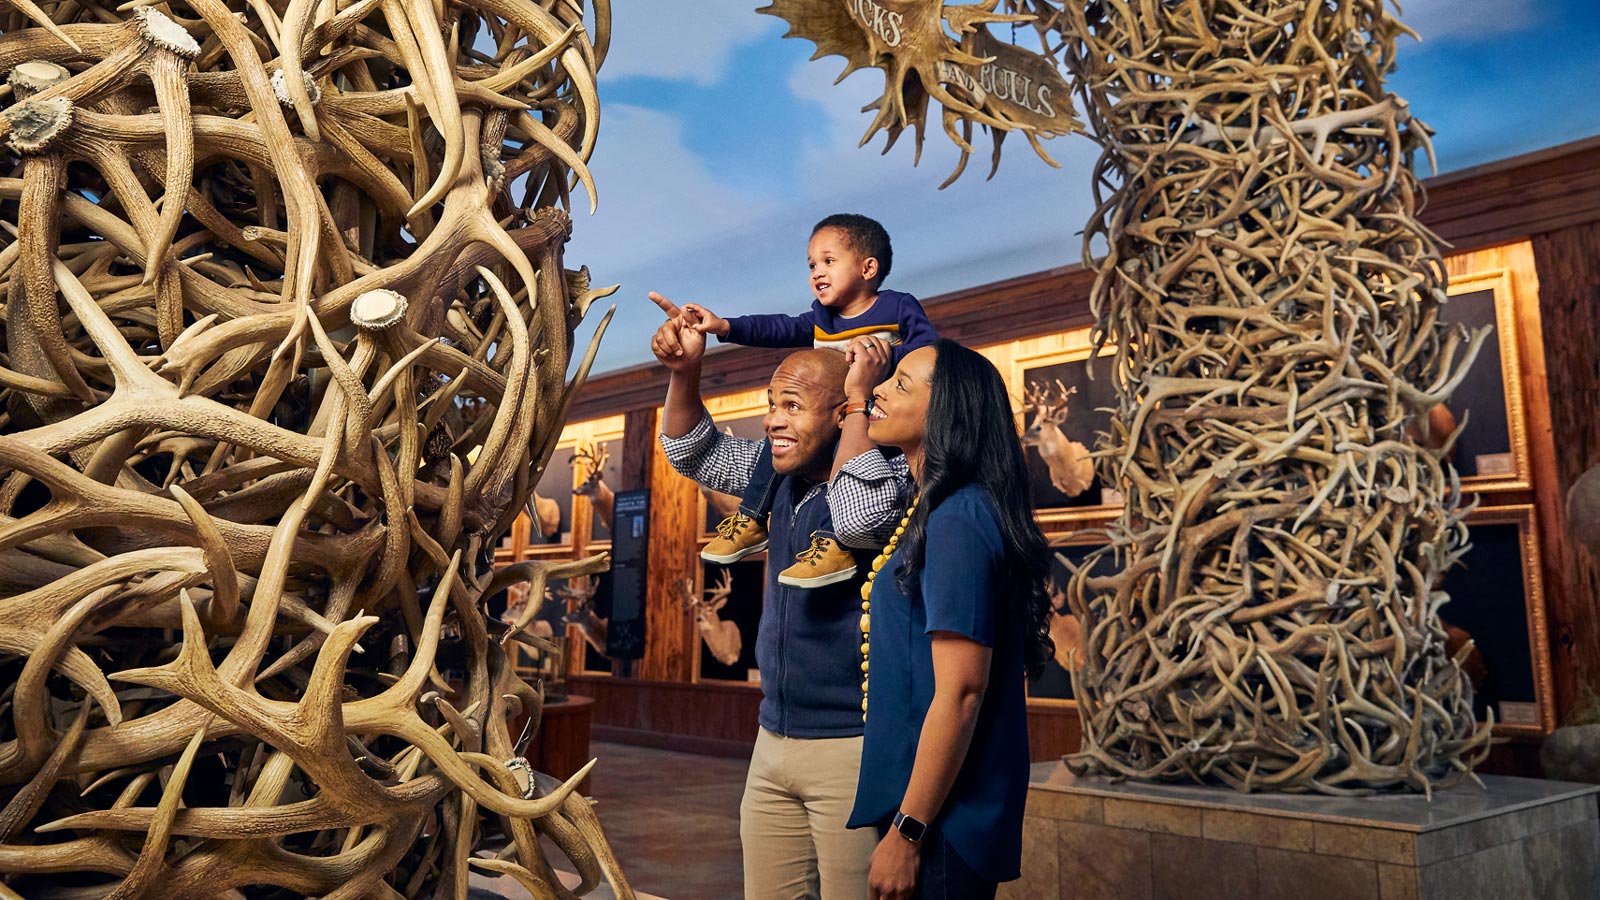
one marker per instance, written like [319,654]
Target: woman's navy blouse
[959,592]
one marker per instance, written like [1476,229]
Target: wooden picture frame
[1492,452]
[1497,599]
[744,608]
[1065,359]
[582,657]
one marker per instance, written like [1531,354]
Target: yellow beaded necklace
[866,599]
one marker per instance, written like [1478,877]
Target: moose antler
[282,354]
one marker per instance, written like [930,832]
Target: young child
[849,257]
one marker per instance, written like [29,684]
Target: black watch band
[913,830]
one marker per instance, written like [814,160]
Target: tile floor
[672,818]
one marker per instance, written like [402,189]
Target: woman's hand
[868,359]
[893,874]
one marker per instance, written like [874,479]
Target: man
[802,779]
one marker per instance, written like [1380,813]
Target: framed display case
[1065,399]
[597,442]
[1497,602]
[1054,684]
[553,501]
[744,584]
[584,605]
[1492,452]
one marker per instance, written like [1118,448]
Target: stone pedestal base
[1088,838]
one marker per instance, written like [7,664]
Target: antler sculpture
[1274,305]
[283,356]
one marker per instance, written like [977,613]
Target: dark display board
[743,609]
[1489,596]
[630,546]
[1484,448]
[1055,682]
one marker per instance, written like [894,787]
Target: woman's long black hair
[971,438]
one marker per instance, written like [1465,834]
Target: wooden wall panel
[708,717]
[1568,263]
[672,645]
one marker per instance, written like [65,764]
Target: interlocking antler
[282,354]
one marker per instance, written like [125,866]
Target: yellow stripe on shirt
[890,333]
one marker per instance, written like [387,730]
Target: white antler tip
[378,309]
[280,88]
[159,29]
[36,75]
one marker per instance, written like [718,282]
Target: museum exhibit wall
[1525,263]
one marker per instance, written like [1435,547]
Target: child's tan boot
[825,562]
[737,537]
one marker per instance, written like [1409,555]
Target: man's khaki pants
[797,797]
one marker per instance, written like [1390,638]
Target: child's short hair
[867,237]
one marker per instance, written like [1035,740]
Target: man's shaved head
[816,370]
[802,422]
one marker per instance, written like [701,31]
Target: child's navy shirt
[895,316]
[960,591]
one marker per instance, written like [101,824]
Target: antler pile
[1274,304]
[282,359]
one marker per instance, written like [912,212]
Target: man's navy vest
[809,643]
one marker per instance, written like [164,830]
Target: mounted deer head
[722,637]
[1071,469]
[589,461]
[578,595]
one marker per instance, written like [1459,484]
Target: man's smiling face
[803,401]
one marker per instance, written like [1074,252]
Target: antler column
[1274,307]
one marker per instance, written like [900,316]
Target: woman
[955,614]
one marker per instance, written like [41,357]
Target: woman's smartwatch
[913,830]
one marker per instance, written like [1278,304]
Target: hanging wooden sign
[931,51]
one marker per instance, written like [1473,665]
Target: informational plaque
[630,544]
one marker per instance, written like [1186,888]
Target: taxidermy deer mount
[578,594]
[589,461]
[1071,468]
[721,636]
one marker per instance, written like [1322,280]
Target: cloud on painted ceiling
[1466,20]
[695,202]
[687,41]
